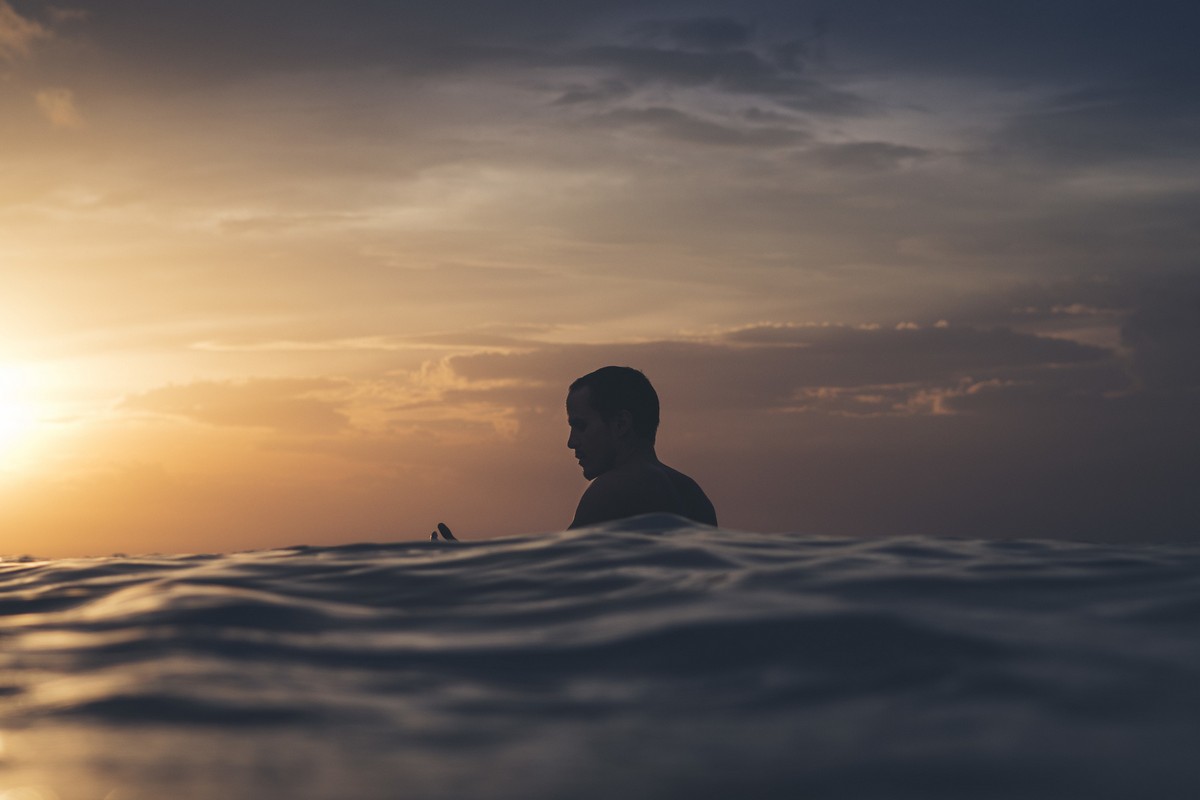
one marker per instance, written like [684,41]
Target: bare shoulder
[643,489]
[693,502]
[606,498]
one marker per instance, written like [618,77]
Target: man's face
[592,440]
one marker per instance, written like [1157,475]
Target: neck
[637,453]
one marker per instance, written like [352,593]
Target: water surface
[647,659]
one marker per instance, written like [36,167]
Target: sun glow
[19,417]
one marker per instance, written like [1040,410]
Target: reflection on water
[647,659]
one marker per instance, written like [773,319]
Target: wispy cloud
[59,107]
[675,124]
[17,33]
[284,405]
[695,33]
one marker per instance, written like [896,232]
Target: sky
[277,272]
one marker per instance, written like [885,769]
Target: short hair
[616,389]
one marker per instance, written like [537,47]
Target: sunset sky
[282,271]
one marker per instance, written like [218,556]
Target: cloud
[675,124]
[60,15]
[886,430]
[58,106]
[857,430]
[817,371]
[299,406]
[1163,335]
[902,371]
[697,33]
[869,155]
[1069,42]
[17,33]
[1144,117]
[1150,321]
[413,42]
[737,72]
[599,93]
[355,189]
[839,355]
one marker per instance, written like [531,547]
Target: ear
[622,423]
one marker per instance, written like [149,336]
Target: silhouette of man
[613,416]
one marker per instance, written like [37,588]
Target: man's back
[643,487]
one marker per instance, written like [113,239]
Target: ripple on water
[649,657]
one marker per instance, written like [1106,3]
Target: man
[613,416]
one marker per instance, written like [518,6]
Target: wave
[651,656]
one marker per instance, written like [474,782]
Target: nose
[571,441]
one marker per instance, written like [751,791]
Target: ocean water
[644,659]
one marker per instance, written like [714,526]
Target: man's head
[610,411]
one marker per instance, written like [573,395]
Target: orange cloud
[17,34]
[287,405]
[58,106]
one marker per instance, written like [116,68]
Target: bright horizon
[281,273]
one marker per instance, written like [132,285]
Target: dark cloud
[676,124]
[868,155]
[790,55]
[1154,319]
[821,369]
[1073,41]
[759,115]
[698,33]
[1065,43]
[937,430]
[1046,305]
[602,92]
[420,38]
[739,70]
[1163,335]
[1139,118]
[284,405]
[1079,388]
[199,42]
[847,356]
[735,71]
